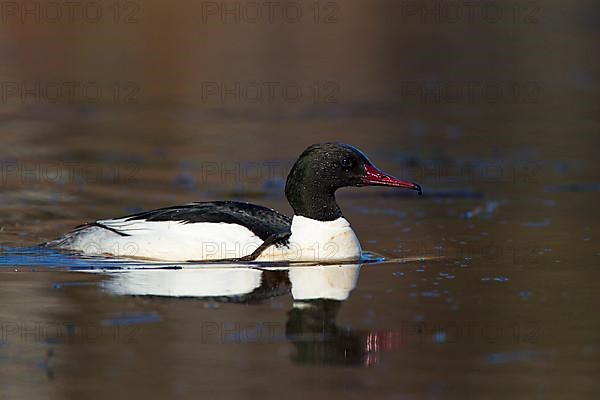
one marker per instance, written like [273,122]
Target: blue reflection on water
[19,257]
[41,257]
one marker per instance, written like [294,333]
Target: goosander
[231,230]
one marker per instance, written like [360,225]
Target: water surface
[489,288]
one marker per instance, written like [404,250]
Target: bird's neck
[311,201]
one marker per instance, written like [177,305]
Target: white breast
[314,240]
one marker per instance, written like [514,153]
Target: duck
[242,232]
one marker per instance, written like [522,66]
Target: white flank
[165,240]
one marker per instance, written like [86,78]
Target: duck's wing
[176,233]
[262,221]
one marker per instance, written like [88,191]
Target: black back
[263,221]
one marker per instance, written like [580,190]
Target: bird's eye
[346,162]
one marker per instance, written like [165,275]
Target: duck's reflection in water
[317,291]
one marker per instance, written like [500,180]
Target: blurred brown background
[184,97]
